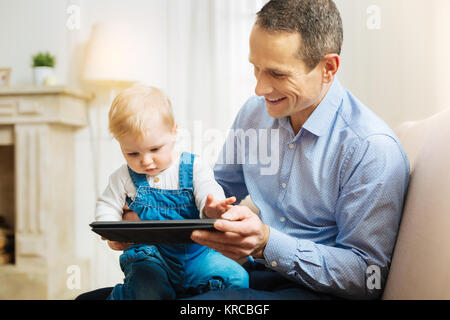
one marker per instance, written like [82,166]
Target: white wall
[399,70]
[441,52]
[27,27]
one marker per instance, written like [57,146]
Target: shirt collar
[321,119]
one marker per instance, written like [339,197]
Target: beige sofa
[420,266]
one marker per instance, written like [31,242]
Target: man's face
[290,89]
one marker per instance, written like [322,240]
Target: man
[329,215]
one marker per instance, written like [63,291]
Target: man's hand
[215,208]
[129,216]
[243,234]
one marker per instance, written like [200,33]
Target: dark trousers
[265,284]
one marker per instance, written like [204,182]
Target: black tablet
[152,231]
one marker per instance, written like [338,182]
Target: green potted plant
[43,63]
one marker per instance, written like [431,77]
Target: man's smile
[275,101]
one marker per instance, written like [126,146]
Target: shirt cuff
[280,251]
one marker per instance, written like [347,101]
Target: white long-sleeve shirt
[110,204]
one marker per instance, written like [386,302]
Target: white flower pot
[40,74]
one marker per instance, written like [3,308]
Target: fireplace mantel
[40,124]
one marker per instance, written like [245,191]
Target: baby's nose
[146,159]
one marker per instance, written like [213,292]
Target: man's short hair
[318,22]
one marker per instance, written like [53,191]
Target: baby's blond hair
[134,108]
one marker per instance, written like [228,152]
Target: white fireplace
[37,127]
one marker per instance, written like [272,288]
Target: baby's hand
[129,216]
[119,246]
[215,208]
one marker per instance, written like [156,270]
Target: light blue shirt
[332,195]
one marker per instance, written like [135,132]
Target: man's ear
[331,64]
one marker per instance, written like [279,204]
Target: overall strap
[139,180]
[129,201]
[186,170]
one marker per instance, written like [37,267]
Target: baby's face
[152,153]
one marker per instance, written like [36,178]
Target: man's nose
[263,85]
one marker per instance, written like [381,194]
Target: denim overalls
[172,271]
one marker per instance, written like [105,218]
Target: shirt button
[274,263]
[282,219]
[283,185]
[156,180]
[291,146]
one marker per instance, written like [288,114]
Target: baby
[158,183]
